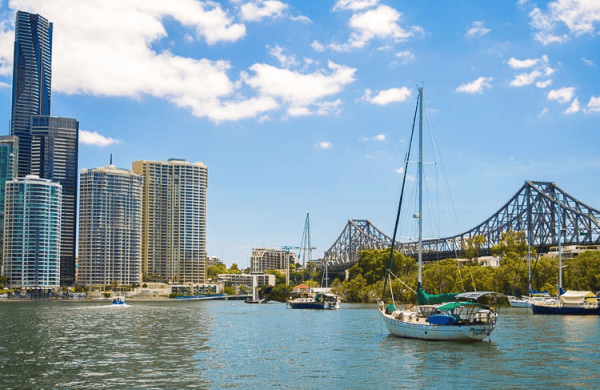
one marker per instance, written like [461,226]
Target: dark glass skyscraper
[31,80]
[54,152]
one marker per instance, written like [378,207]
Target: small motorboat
[118,301]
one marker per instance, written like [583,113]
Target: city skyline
[306,107]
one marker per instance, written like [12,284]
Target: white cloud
[541,69]
[94,138]
[327,108]
[387,96]
[301,18]
[525,79]
[477,29]
[544,112]
[578,16]
[317,46]
[354,5]
[285,61]
[405,56]
[400,171]
[257,10]
[7,39]
[587,62]
[593,105]
[380,22]
[543,84]
[100,52]
[323,145]
[379,137]
[4,85]
[562,95]
[574,107]
[297,89]
[520,64]
[475,86]
[547,39]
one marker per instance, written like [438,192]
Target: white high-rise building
[174,220]
[32,233]
[110,227]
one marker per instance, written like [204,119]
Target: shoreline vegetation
[365,281]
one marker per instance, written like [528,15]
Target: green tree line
[365,282]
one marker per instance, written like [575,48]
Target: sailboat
[445,317]
[569,302]
[312,299]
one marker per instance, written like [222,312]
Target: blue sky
[306,106]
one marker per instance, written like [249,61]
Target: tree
[372,265]
[583,272]
[442,277]
[512,241]
[472,247]
[229,290]
[234,269]
[214,270]
[279,276]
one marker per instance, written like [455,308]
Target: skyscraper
[174,219]
[110,218]
[31,249]
[9,153]
[31,80]
[54,152]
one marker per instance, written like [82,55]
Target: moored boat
[465,319]
[313,300]
[570,303]
[519,302]
[445,317]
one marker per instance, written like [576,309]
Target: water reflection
[232,344]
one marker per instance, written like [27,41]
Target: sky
[306,106]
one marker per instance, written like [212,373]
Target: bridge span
[534,209]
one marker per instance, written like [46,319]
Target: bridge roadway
[541,209]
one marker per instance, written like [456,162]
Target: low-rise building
[264,259]
[236,280]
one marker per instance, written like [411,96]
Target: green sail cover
[427,299]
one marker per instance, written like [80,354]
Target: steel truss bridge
[535,209]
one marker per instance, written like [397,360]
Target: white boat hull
[427,331]
[519,303]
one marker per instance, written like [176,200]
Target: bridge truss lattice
[534,209]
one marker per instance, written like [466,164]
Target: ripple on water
[219,345]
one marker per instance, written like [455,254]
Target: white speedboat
[519,302]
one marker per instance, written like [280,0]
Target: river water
[230,344]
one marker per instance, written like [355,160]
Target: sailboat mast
[559,248]
[420,174]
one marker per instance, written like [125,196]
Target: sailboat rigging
[312,299]
[451,317]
